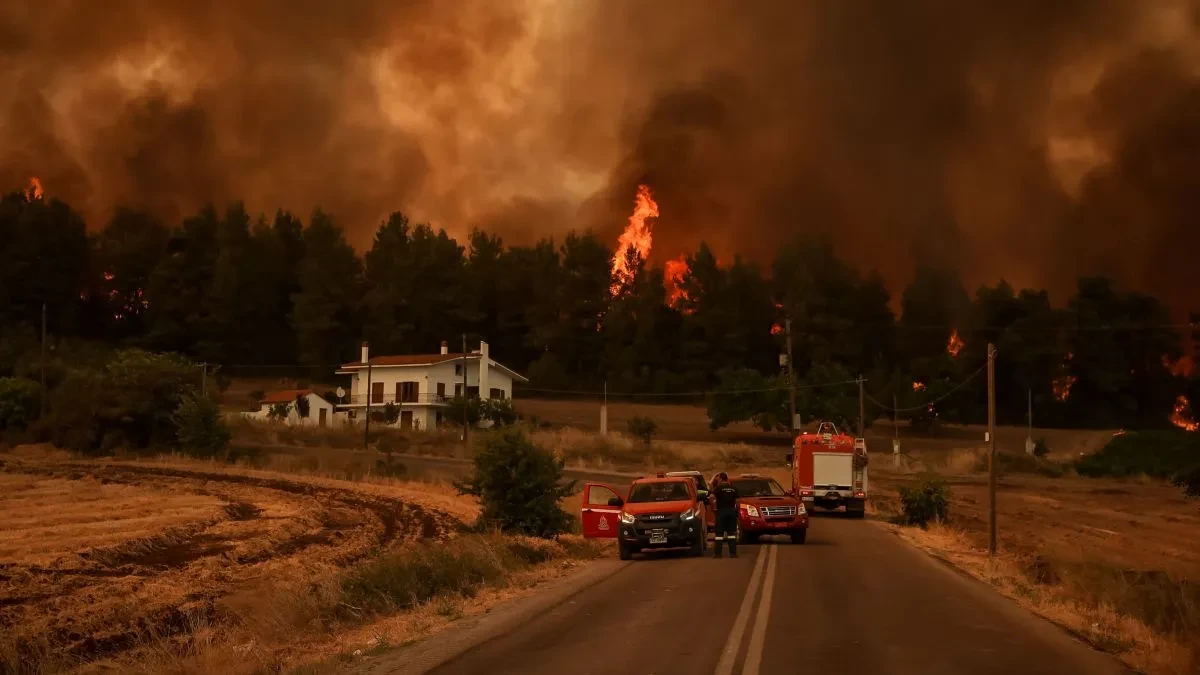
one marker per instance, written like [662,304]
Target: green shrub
[200,430]
[1040,449]
[500,411]
[926,501]
[519,486]
[1022,463]
[1160,454]
[1189,480]
[391,413]
[19,402]
[279,411]
[643,428]
[302,407]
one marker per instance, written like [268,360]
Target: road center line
[759,634]
[729,654]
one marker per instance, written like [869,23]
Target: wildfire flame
[636,238]
[1061,386]
[1182,416]
[34,191]
[955,344]
[673,274]
[918,386]
[776,329]
[1181,367]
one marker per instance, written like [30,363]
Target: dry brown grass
[1115,562]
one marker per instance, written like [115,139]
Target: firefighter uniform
[727,518]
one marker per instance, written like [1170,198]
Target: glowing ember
[34,191]
[1182,416]
[918,386]
[776,329]
[108,276]
[673,274]
[1184,366]
[1061,386]
[635,241]
[955,344]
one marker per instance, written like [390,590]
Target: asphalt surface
[854,598]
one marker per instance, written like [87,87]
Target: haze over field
[1029,140]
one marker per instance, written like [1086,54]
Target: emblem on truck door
[603,524]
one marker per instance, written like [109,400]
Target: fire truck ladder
[860,463]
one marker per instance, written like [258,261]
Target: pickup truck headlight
[688,515]
[800,510]
[626,518]
[751,510]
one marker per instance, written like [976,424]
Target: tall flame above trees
[673,274]
[955,344]
[635,241]
[1182,415]
[34,191]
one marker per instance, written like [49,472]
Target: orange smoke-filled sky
[1030,140]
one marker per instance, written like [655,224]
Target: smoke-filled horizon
[1025,140]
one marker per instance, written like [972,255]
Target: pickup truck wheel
[623,551]
[799,536]
[856,509]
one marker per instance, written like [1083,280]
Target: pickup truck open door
[600,512]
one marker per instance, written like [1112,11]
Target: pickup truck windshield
[659,492]
[758,487]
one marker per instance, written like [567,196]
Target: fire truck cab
[829,469]
[658,512]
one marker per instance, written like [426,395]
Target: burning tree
[634,243]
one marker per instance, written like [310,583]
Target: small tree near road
[279,411]
[519,485]
[643,428]
[302,407]
[200,430]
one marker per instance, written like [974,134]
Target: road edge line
[758,636]
[435,651]
[734,641]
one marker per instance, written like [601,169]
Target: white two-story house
[422,384]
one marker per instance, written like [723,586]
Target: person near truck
[727,516]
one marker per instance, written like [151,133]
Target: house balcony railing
[360,400]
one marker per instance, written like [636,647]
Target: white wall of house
[316,405]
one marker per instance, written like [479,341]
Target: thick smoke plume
[1030,140]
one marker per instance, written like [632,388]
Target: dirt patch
[98,559]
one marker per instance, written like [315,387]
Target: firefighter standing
[727,515]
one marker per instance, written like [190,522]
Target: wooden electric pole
[367,426]
[991,369]
[465,398]
[791,378]
[204,379]
[43,402]
[862,429]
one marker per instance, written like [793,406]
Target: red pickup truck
[764,507]
[659,512]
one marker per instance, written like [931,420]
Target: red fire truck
[829,469]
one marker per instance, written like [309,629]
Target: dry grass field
[174,565]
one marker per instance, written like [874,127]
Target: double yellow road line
[767,556]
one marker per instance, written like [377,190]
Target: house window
[457,390]
[376,392]
[496,393]
[458,369]
[406,392]
[441,391]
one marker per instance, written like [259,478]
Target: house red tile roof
[410,360]
[285,395]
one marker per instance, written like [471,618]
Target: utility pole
[466,400]
[367,425]
[791,378]
[1029,433]
[862,429]
[43,364]
[895,431]
[991,368]
[604,411]
[204,379]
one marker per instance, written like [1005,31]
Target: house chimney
[445,347]
[365,352]
[484,390]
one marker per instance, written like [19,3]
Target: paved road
[854,599]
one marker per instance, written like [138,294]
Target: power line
[691,394]
[943,397]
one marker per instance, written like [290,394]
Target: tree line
[263,295]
